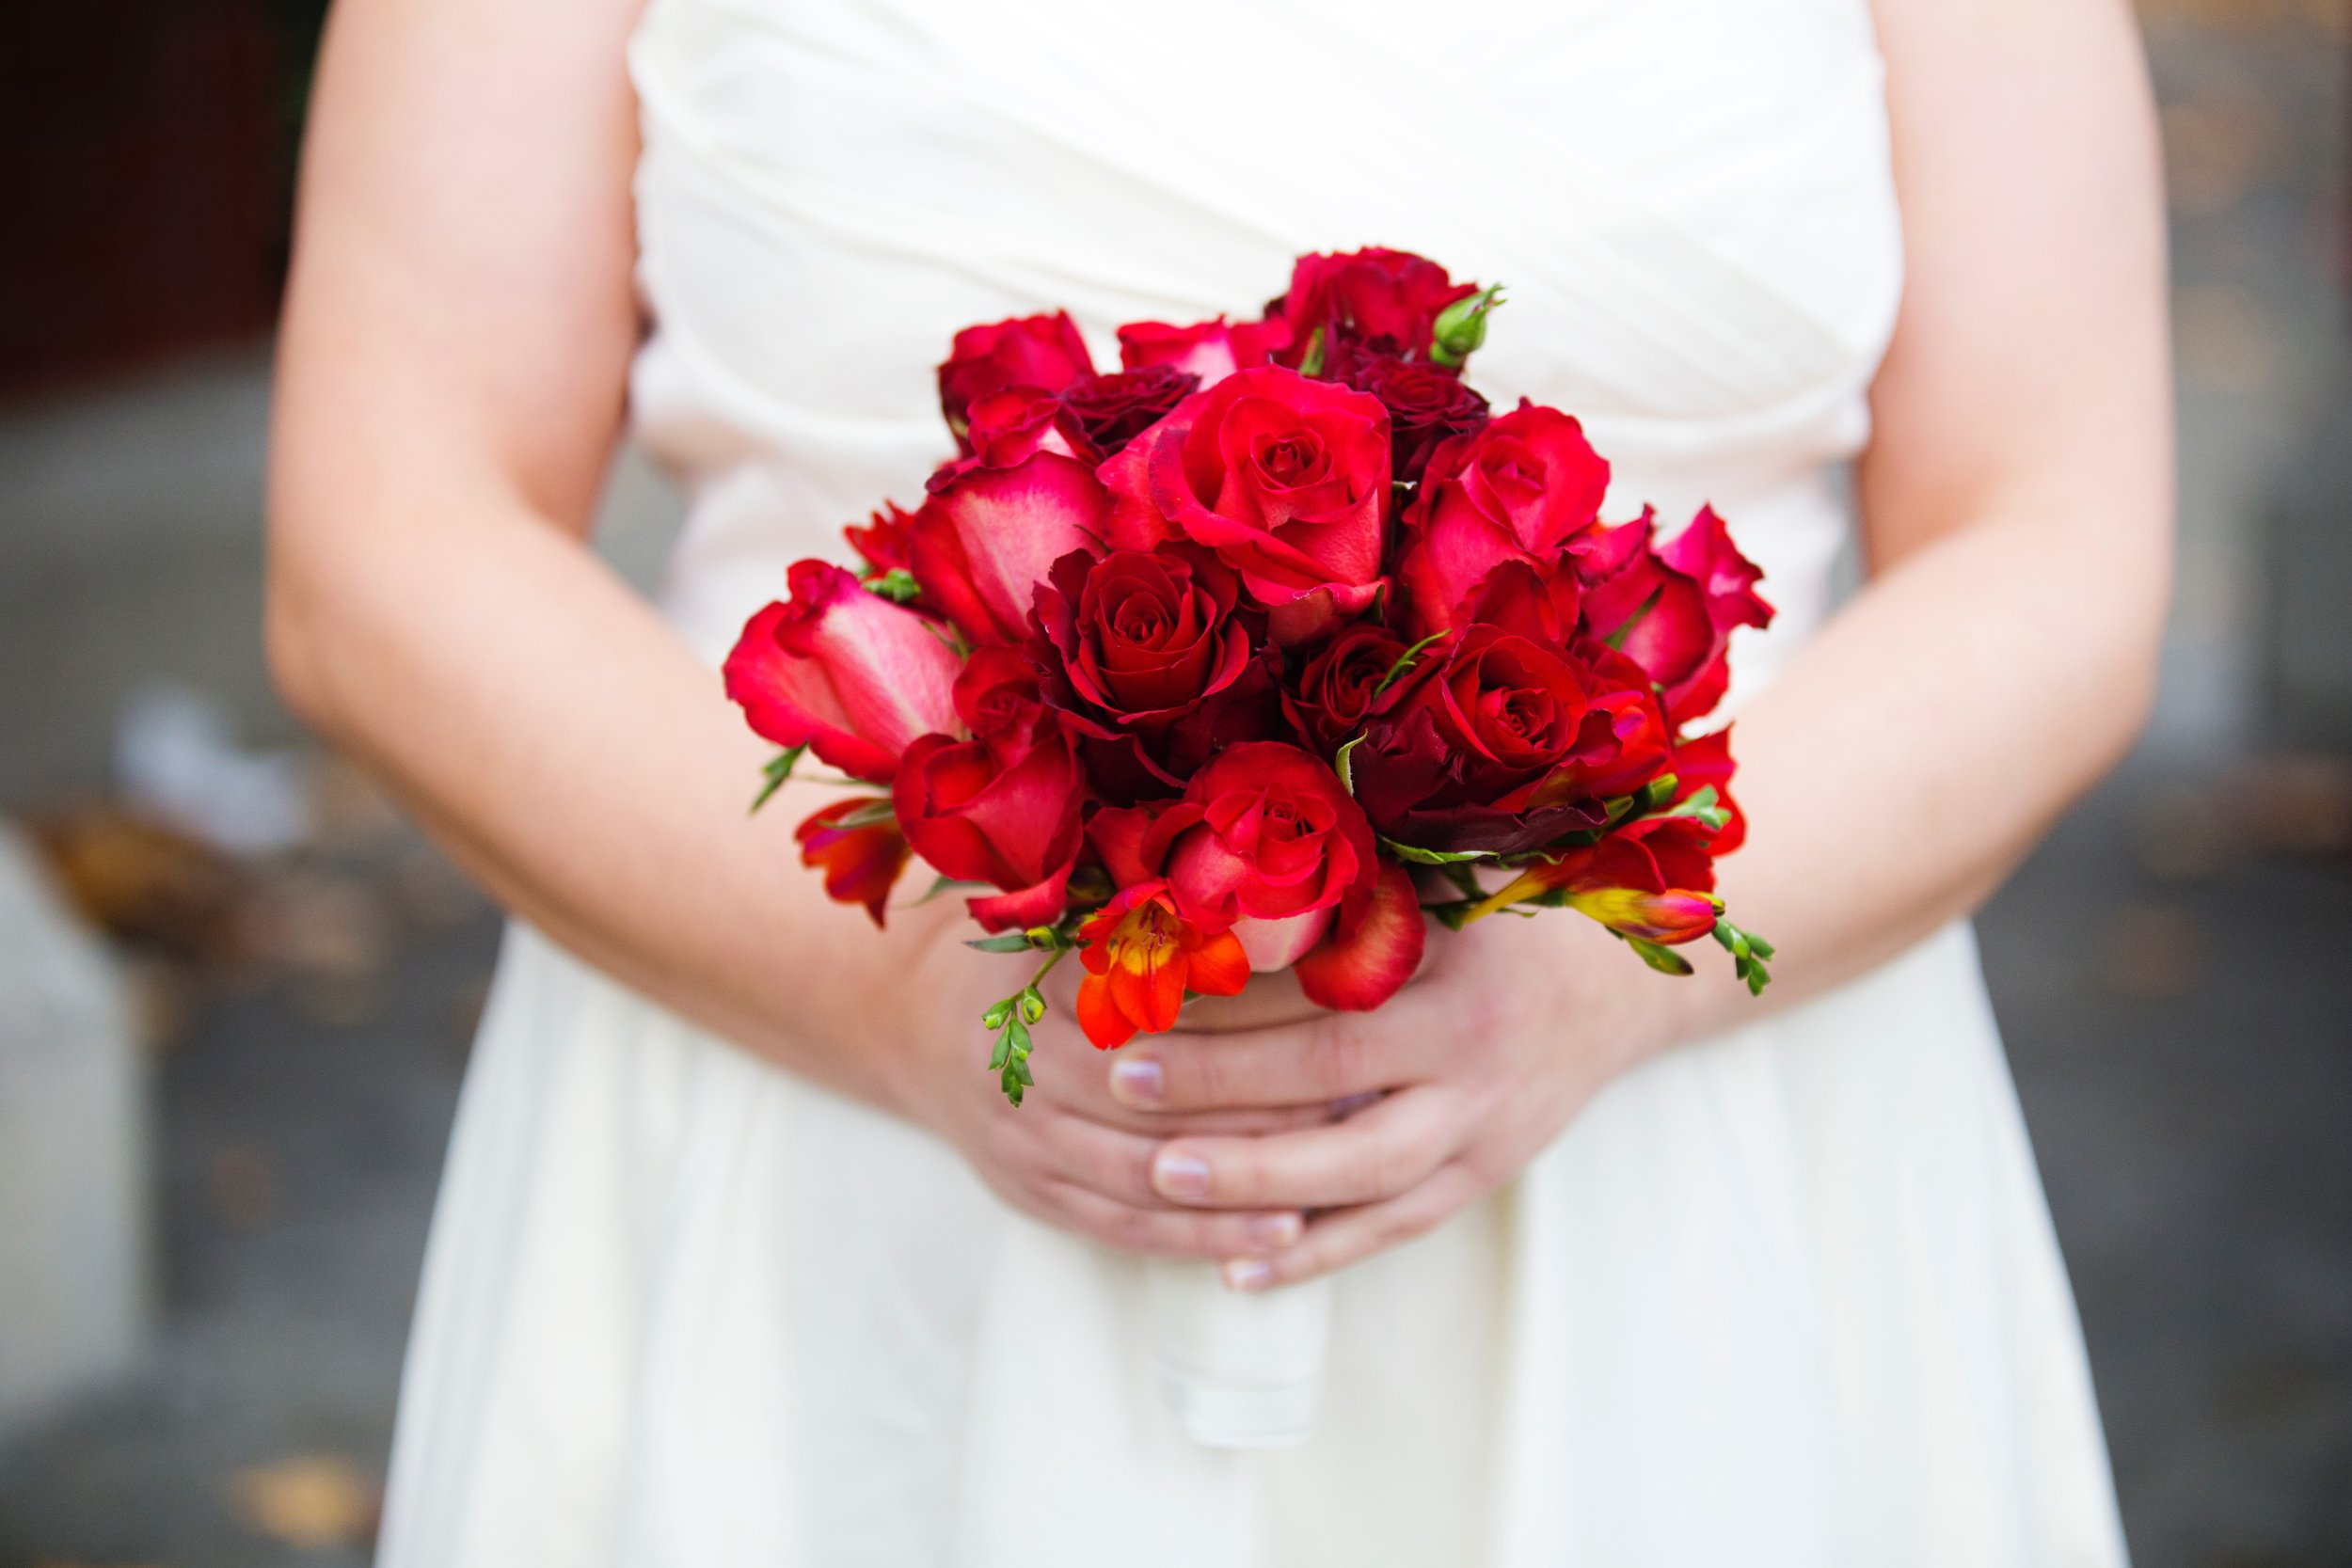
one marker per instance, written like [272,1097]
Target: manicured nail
[1248,1274]
[1273,1232]
[1136,1081]
[1342,1109]
[1183,1177]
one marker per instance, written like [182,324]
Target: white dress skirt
[1790,1296]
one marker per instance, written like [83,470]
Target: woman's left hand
[1458,1082]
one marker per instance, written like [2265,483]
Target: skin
[459,330]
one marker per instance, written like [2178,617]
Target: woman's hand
[1070,1155]
[1450,1089]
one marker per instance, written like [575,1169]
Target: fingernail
[1180,1176]
[1273,1231]
[1342,1109]
[1136,1081]
[1248,1274]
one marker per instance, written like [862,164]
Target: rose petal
[1367,959]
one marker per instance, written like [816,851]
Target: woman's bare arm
[451,381]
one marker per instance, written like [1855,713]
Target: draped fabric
[1787,1296]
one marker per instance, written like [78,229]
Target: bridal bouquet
[1257,654]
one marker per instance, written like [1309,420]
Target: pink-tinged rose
[1002,810]
[984,543]
[1265,832]
[1285,478]
[861,858]
[1112,410]
[1520,489]
[1155,661]
[1427,407]
[1210,350]
[1342,685]
[1372,948]
[1008,428]
[843,672]
[1672,608]
[1043,352]
[1370,301]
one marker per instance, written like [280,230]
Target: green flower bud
[996,1016]
[1461,327]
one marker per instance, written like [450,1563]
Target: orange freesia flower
[861,864]
[1141,955]
[1617,883]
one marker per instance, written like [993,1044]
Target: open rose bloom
[1260,652]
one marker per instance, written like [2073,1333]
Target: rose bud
[1043,352]
[1671,608]
[1266,841]
[1370,301]
[1112,410]
[1286,479]
[1426,405]
[861,858]
[1211,350]
[843,672]
[986,540]
[1520,489]
[1154,660]
[1341,686]
[1003,807]
[1141,955]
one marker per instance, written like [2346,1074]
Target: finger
[1076,1078]
[1345,1236]
[1333,1056]
[1266,1001]
[1376,1153]
[1176,1232]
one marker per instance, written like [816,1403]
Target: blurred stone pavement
[2172,968]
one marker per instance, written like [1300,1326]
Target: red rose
[1426,405]
[1513,739]
[1043,352]
[1341,687]
[1672,608]
[1157,664]
[1008,428]
[1518,490]
[1267,842]
[843,672]
[1211,350]
[982,545]
[1003,807]
[1112,410]
[1286,479]
[883,543]
[1372,301]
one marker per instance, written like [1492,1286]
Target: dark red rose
[843,672]
[1426,405]
[1341,687]
[1156,662]
[983,544]
[1112,410]
[1513,739]
[1672,608]
[1043,352]
[882,543]
[1370,301]
[1003,807]
[1211,350]
[1286,479]
[1520,489]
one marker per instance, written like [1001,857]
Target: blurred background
[236,990]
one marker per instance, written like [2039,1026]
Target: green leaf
[897,585]
[946,886]
[1343,763]
[779,768]
[1405,662]
[1004,942]
[1464,879]
[1625,627]
[1310,363]
[1414,854]
[1663,959]
[872,814]
[1448,915]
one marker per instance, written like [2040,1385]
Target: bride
[740,1259]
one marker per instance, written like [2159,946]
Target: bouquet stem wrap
[1239,1371]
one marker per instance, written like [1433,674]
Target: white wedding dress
[1786,1297]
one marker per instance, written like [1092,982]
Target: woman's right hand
[1069,1154]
